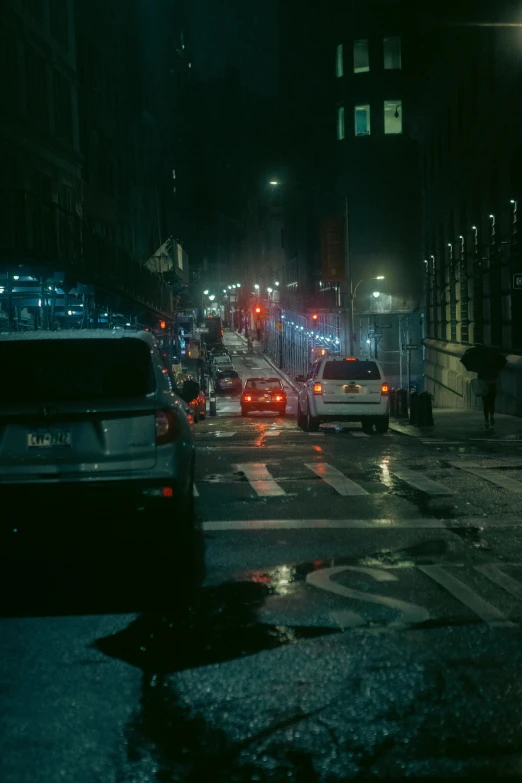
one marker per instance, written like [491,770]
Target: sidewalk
[456,424]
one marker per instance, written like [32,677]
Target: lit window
[392,117]
[362,120]
[340,123]
[361,57]
[339,70]
[392,53]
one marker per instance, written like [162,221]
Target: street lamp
[256,286]
[206,292]
[354,293]
[238,285]
[276,282]
[212,297]
[269,290]
[224,290]
[376,294]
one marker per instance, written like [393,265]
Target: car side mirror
[299,379]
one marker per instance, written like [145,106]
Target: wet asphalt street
[360,620]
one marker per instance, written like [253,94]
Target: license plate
[351,389]
[265,399]
[48,440]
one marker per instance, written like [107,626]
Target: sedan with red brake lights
[263,394]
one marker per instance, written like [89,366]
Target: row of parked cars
[257,394]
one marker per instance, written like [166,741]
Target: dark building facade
[92,133]
[469,116]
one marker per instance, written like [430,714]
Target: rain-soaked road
[360,620]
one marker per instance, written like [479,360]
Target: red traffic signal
[162,324]
[258,309]
[315,317]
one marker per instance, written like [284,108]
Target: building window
[392,117]
[361,56]
[362,119]
[339,70]
[340,123]
[392,53]
[36,86]
[58,13]
[62,107]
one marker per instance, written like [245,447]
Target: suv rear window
[260,383]
[351,371]
[70,370]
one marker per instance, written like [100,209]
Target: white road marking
[411,614]
[506,482]
[421,482]
[315,434]
[359,434]
[260,479]
[494,572]
[337,524]
[486,611]
[224,434]
[272,433]
[336,479]
[196,493]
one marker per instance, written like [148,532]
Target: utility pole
[349,321]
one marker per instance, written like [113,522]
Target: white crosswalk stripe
[224,434]
[336,479]
[493,476]
[260,479]
[272,433]
[359,434]
[421,482]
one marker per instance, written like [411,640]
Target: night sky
[234,33]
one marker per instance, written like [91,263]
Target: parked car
[228,381]
[220,350]
[96,451]
[196,398]
[344,389]
[263,394]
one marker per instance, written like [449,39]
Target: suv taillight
[166,429]
[318,388]
[385,389]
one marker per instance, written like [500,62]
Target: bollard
[414,409]
[401,403]
[393,402]
[212,409]
[425,410]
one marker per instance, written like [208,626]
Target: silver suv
[344,389]
[95,448]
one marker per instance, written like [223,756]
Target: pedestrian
[489,395]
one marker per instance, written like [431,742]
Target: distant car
[219,350]
[263,394]
[93,433]
[344,389]
[228,381]
[221,363]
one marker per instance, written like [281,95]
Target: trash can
[401,403]
[414,409]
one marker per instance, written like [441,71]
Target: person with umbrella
[487,363]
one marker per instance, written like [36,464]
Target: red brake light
[318,388]
[166,429]
[279,397]
[168,492]
[247,398]
[385,389]
[350,359]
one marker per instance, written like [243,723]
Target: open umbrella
[483,360]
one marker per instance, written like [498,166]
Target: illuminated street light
[380,277]
[376,294]
[233,285]
[269,290]
[276,282]
[224,290]
[229,288]
[256,286]
[238,285]
[212,297]
[206,292]
[274,182]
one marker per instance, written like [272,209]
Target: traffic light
[315,317]
[258,310]
[162,324]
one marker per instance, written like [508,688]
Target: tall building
[349,77]
[94,161]
[469,116]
